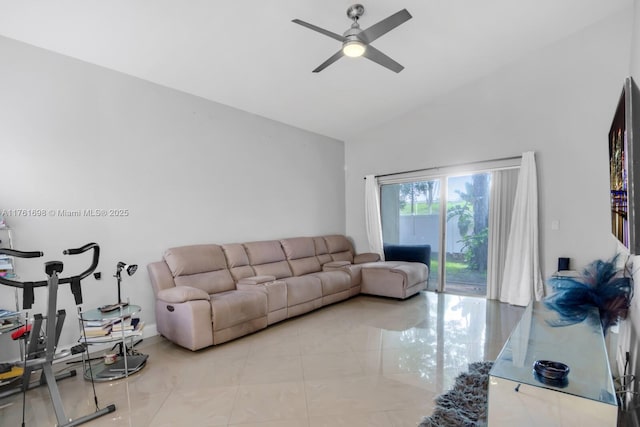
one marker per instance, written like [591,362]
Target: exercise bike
[41,343]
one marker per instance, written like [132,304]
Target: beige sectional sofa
[210,294]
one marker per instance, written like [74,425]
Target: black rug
[466,403]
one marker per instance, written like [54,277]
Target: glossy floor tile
[363,362]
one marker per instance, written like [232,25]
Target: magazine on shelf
[7,325]
[100,323]
[114,335]
[129,324]
[96,331]
[5,314]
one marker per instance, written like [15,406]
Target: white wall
[557,101]
[77,136]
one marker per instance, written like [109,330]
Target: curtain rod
[448,166]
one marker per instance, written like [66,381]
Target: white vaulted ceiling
[249,55]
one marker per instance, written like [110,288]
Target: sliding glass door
[410,215]
[451,213]
[467,231]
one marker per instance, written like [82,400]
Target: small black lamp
[130,269]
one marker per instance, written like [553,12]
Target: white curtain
[522,279]
[372,215]
[503,194]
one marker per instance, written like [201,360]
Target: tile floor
[363,362]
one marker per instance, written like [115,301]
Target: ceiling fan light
[353,48]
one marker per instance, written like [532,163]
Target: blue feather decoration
[602,285]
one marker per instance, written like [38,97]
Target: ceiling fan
[357,42]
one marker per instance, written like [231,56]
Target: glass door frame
[442,174]
[442,241]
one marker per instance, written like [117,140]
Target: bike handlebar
[73,280]
[92,267]
[20,254]
[80,249]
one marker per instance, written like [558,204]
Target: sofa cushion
[211,282]
[236,255]
[278,269]
[322,253]
[302,289]
[334,282]
[396,279]
[339,247]
[298,247]
[337,243]
[238,261]
[300,253]
[276,292]
[267,259]
[342,256]
[303,266]
[353,270]
[194,259]
[321,245]
[414,272]
[265,252]
[240,273]
[235,307]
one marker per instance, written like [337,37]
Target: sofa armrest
[366,257]
[160,275]
[256,280]
[180,294]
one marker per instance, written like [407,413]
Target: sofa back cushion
[238,261]
[322,253]
[200,266]
[211,282]
[339,247]
[267,259]
[301,254]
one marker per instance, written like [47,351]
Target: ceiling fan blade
[384,26]
[380,58]
[329,61]
[320,30]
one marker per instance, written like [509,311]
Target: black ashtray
[550,372]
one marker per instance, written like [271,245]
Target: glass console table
[126,362]
[519,397]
